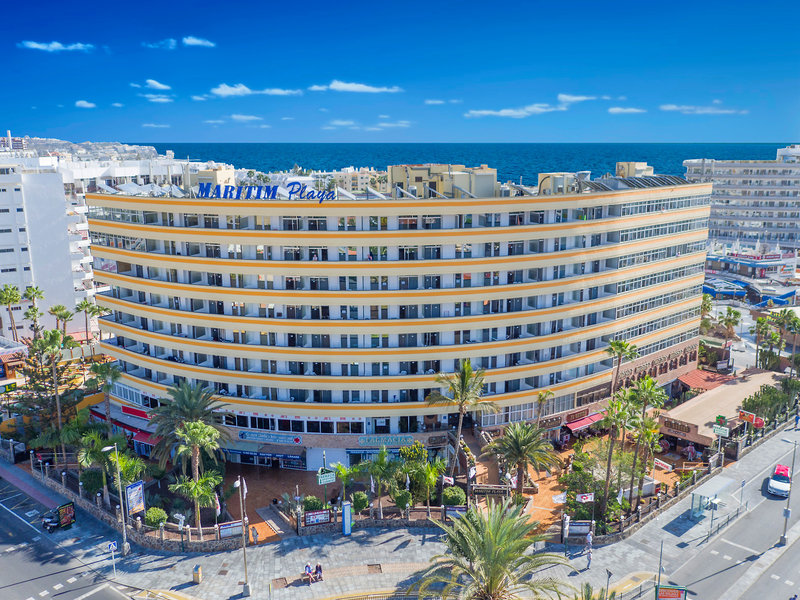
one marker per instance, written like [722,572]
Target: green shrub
[312,503]
[92,480]
[155,516]
[453,496]
[360,501]
[416,452]
[402,498]
[156,472]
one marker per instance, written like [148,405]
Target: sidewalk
[23,481]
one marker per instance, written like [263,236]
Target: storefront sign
[662,465]
[266,436]
[437,440]
[317,517]
[385,440]
[550,423]
[578,414]
[721,431]
[747,417]
[677,426]
[296,191]
[670,592]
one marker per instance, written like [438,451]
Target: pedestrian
[796,423]
[589,540]
[255,536]
[589,559]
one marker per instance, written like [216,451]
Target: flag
[472,472]
[216,504]
[619,497]
[447,480]
[408,482]
[584,498]
[244,489]
[371,484]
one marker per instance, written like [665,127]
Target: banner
[66,514]
[135,495]
[660,464]
[584,498]
[347,518]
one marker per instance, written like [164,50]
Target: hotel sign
[677,426]
[550,422]
[267,437]
[385,440]
[296,191]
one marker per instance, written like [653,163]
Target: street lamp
[788,511]
[246,587]
[608,581]
[125,547]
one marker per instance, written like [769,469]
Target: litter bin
[197,574]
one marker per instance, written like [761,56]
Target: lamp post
[608,581]
[788,511]
[125,546]
[246,587]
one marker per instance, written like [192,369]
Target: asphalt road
[782,579]
[33,567]
[730,553]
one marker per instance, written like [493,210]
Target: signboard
[490,490]
[662,465]
[454,512]
[112,546]
[317,517]
[266,436]
[578,414]
[135,495]
[584,498]
[385,440]
[437,440]
[722,365]
[747,417]
[579,528]
[721,431]
[325,476]
[721,420]
[230,529]
[670,592]
[8,387]
[347,518]
[66,514]
[677,425]
[758,422]
[550,423]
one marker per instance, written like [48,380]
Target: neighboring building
[751,264]
[754,201]
[13,143]
[322,325]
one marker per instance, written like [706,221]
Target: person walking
[588,559]
[589,540]
[796,423]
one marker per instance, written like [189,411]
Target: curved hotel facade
[322,323]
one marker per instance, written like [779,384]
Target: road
[34,567]
[726,557]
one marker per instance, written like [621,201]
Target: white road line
[789,583]
[31,598]
[72,580]
[727,557]
[58,586]
[775,577]
[37,538]
[735,545]
[44,593]
[714,552]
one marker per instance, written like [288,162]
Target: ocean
[512,161]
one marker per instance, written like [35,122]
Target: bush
[156,472]
[92,480]
[402,498]
[360,501]
[155,516]
[312,503]
[416,452]
[453,496]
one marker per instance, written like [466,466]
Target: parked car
[781,481]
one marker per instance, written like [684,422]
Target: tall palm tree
[649,435]
[33,314]
[428,474]
[9,297]
[131,467]
[48,438]
[32,294]
[346,475]
[706,305]
[96,312]
[86,308]
[793,327]
[200,491]
[542,398]
[465,388]
[65,316]
[196,436]
[382,469]
[616,415]
[781,319]
[53,342]
[90,454]
[108,374]
[185,403]
[620,350]
[729,321]
[489,558]
[761,329]
[523,445]
[55,311]
[646,393]
[586,592]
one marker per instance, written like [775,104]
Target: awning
[146,438]
[585,422]
[264,450]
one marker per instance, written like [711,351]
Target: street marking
[58,586]
[789,583]
[775,577]
[714,552]
[727,557]
[44,593]
[37,538]
[85,574]
[72,580]
[30,598]
[735,545]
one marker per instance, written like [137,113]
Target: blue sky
[403,72]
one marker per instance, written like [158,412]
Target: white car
[781,481]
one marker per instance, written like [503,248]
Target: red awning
[146,438]
[585,422]
[124,426]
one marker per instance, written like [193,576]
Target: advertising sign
[317,517]
[230,529]
[135,494]
[267,437]
[66,514]
[758,422]
[670,592]
[347,518]
[721,431]
[662,465]
[385,440]
[325,476]
[747,417]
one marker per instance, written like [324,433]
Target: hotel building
[322,324]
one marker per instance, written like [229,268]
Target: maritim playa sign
[296,191]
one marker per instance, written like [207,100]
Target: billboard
[347,518]
[66,514]
[135,495]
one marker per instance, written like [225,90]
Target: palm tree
[48,438]
[428,473]
[646,393]
[55,311]
[96,311]
[90,454]
[53,342]
[586,592]
[10,296]
[649,435]
[197,436]
[131,467]
[620,350]
[616,415]
[185,403]
[760,329]
[542,398]
[706,305]
[65,316]
[200,491]
[523,445]
[489,558]
[33,314]
[32,294]
[793,327]
[729,321]
[781,320]
[465,388]
[346,475]
[108,374]
[86,308]
[382,469]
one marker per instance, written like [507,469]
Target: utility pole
[246,586]
[787,512]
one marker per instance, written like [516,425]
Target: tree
[646,393]
[706,305]
[200,491]
[185,403]
[33,294]
[65,316]
[586,592]
[90,454]
[616,415]
[465,388]
[523,445]
[108,374]
[346,475]
[428,474]
[382,469]
[96,312]
[196,436]
[542,398]
[131,467]
[729,321]
[760,329]
[10,296]
[649,435]
[793,327]
[620,350]
[490,557]
[33,314]
[55,311]
[87,308]
[53,343]
[781,320]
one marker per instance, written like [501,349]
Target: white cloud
[156,125]
[432,102]
[245,118]
[157,98]
[625,110]
[287,118]
[570,98]
[605,97]
[135,85]
[167,44]
[199,98]
[341,123]
[224,90]
[328,127]
[622,98]
[117,104]
[517,113]
[155,85]
[455,101]
[56,46]
[323,110]
[214,121]
[344,86]
[264,126]
[85,104]
[716,101]
[383,116]
[395,124]
[190,40]
[372,129]
[701,110]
